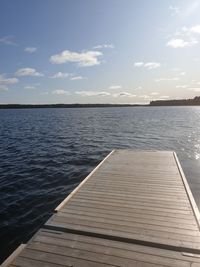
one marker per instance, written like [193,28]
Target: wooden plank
[141,201]
[120,253]
[149,215]
[145,238]
[60,249]
[137,205]
[42,258]
[82,183]
[136,187]
[165,221]
[99,242]
[147,229]
[125,194]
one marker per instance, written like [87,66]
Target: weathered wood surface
[54,248]
[134,209]
[134,195]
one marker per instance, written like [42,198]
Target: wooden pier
[134,209]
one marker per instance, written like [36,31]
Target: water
[45,153]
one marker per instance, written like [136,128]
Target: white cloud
[60,75]
[185,37]
[27,72]
[163,97]
[7,40]
[83,59]
[148,65]
[195,29]
[124,94]
[5,82]
[182,73]
[145,96]
[152,65]
[182,86]
[176,69]
[174,10]
[154,93]
[167,79]
[138,64]
[104,46]
[29,87]
[115,87]
[30,49]
[92,93]
[76,78]
[60,92]
[195,89]
[186,11]
[177,43]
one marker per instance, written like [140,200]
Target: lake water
[45,153]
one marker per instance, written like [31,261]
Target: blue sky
[105,51]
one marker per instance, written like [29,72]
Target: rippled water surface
[45,153]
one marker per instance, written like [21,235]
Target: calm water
[45,153]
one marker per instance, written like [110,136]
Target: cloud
[174,10]
[167,79]
[60,92]
[76,78]
[186,11]
[5,82]
[182,86]
[29,87]
[195,29]
[185,37]
[148,65]
[154,93]
[195,89]
[92,93]
[124,94]
[138,64]
[152,65]
[28,72]
[145,96]
[104,46]
[60,75]
[7,40]
[180,43]
[83,59]
[115,87]
[182,73]
[163,97]
[30,49]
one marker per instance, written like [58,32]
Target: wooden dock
[134,209]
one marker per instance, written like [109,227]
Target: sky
[98,51]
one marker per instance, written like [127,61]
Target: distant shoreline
[177,102]
[174,102]
[29,106]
